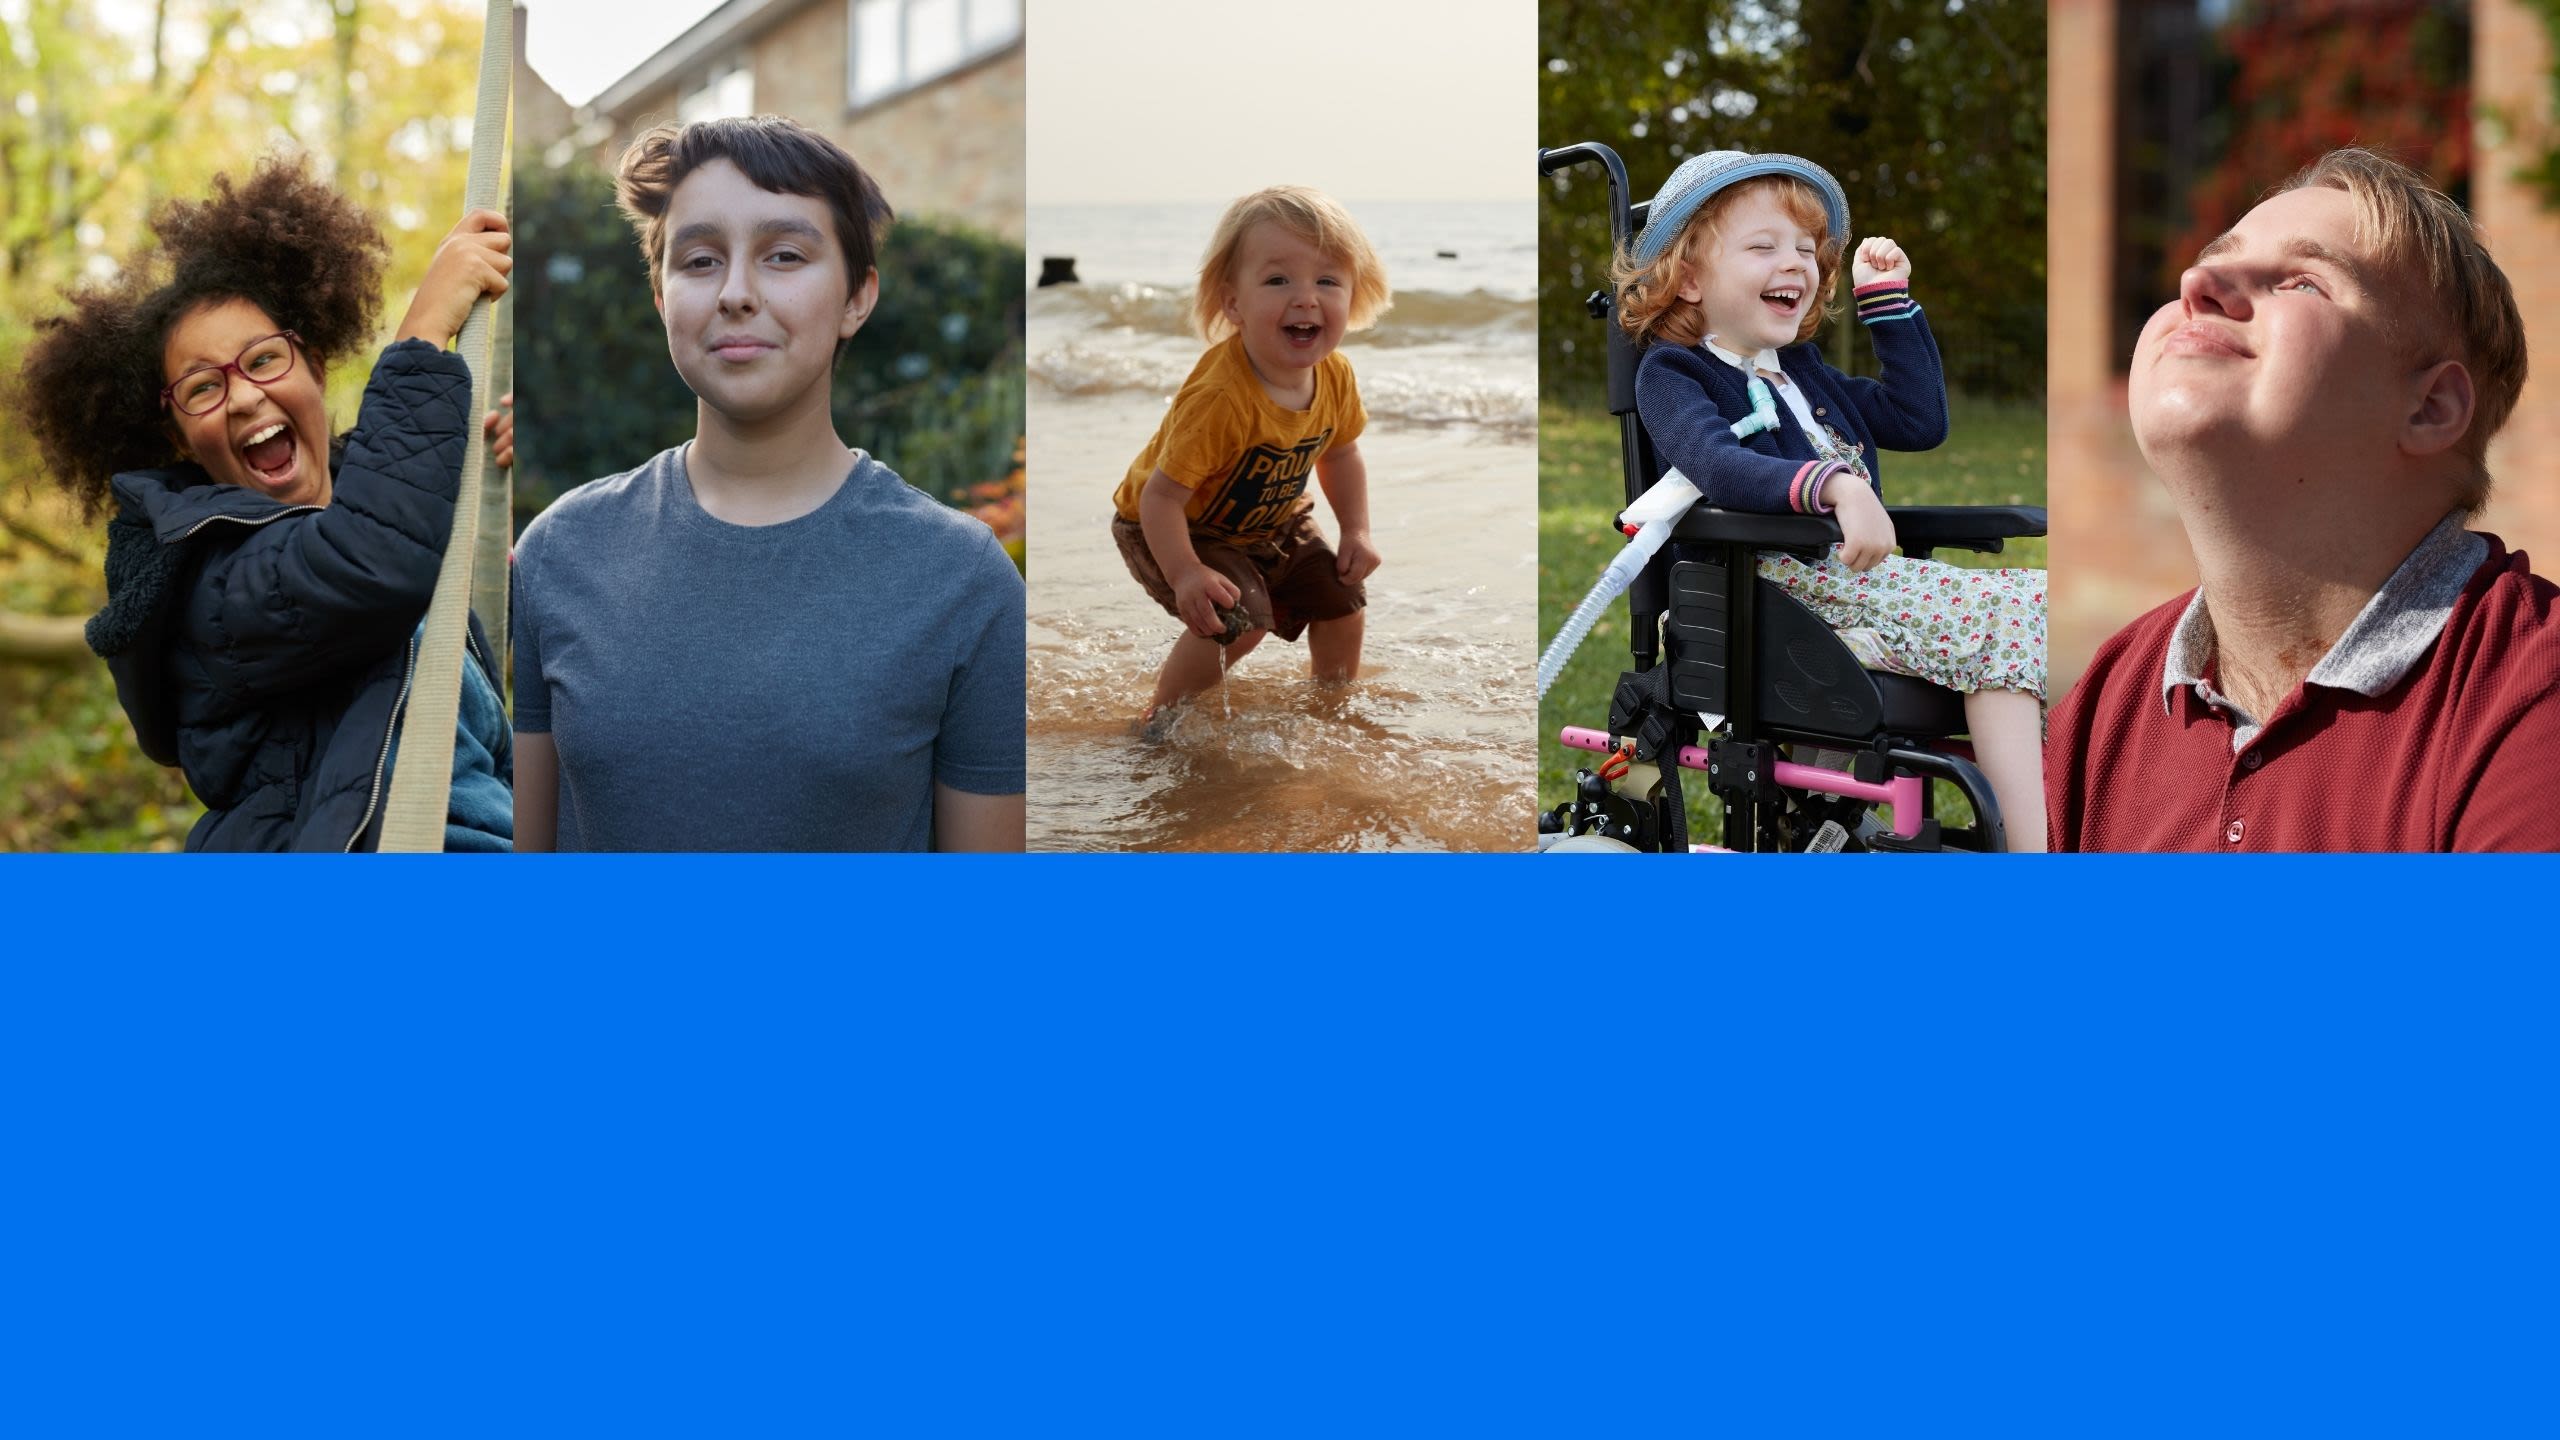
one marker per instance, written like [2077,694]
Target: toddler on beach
[1213,518]
[1728,279]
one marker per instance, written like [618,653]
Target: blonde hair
[2408,224]
[1649,305]
[1312,216]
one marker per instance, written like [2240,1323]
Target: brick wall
[954,147]
[2511,63]
[951,149]
[2116,548]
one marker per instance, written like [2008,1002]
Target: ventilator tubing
[1652,515]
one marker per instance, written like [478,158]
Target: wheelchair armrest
[1810,536]
[1920,529]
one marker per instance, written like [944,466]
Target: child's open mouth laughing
[271,456]
[1303,334]
[1784,299]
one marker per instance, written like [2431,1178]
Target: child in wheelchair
[1727,281]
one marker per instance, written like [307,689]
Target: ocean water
[1459,346]
[1495,244]
[1434,747]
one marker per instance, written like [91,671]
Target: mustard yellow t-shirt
[1245,460]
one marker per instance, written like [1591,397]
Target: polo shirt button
[2252,760]
[2233,834]
[1818,410]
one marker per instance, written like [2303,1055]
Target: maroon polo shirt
[2459,753]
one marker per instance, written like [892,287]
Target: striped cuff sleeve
[1884,300]
[1804,492]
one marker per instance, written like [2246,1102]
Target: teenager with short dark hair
[763,639]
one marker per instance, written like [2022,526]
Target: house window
[729,89]
[900,44]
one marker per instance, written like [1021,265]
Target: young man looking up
[762,639]
[2357,670]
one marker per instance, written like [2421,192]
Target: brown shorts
[1288,581]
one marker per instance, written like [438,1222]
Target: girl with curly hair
[265,584]
[1725,288]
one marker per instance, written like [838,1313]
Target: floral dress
[1965,629]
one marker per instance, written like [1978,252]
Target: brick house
[927,94]
[2116,547]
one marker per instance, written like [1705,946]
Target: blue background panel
[1277,1146]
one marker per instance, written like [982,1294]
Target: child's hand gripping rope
[473,261]
[500,426]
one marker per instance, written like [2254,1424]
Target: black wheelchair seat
[1806,681]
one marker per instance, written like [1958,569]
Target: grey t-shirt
[798,686]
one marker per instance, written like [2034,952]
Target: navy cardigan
[1688,400]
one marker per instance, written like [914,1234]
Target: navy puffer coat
[266,649]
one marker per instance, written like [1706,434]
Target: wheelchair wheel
[1589,845]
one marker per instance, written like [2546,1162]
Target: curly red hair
[1649,303]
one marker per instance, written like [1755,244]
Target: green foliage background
[1931,114]
[932,385]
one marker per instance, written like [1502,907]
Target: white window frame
[712,80]
[967,55]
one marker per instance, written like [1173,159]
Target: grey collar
[2387,639]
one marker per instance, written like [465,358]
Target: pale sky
[1139,101]
[1135,101]
[579,47]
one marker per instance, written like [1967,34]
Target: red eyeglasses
[262,363]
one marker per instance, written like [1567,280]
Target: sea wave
[1147,308]
[1418,317]
[1084,368]
[1450,399]
[1452,392]
[1437,358]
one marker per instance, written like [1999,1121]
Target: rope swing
[422,781]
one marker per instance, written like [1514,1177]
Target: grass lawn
[1994,455]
